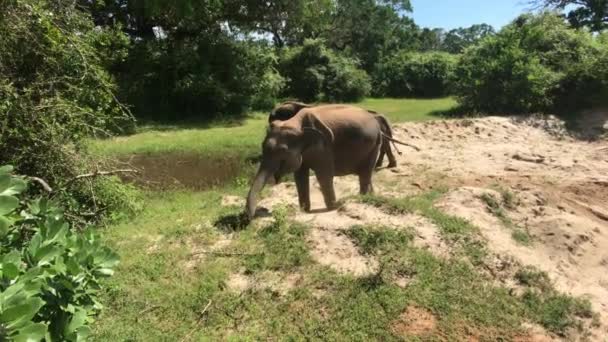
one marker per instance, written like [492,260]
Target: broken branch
[99,173]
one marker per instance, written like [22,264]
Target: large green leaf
[8,204]
[78,320]
[5,182]
[11,265]
[18,315]
[6,169]
[4,226]
[15,186]
[47,253]
[33,332]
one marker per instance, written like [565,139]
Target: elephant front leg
[302,184]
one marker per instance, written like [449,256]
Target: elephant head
[286,110]
[283,149]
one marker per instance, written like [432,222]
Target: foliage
[369,29]
[589,13]
[314,72]
[49,274]
[410,74]
[457,40]
[54,88]
[201,77]
[268,89]
[536,63]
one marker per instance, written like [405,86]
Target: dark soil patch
[232,222]
[193,171]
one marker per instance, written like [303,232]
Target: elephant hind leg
[392,162]
[381,157]
[367,170]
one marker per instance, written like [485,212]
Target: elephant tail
[386,128]
[393,140]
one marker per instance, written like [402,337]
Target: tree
[430,39]
[536,63]
[288,22]
[367,29]
[589,13]
[456,40]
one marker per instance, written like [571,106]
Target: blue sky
[449,14]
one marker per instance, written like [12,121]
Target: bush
[54,89]
[411,74]
[537,63]
[49,275]
[200,78]
[268,90]
[315,73]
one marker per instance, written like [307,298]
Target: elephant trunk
[258,184]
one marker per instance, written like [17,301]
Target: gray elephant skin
[331,140]
[288,109]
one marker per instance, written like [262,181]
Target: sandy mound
[560,185]
[330,246]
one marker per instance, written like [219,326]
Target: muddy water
[191,171]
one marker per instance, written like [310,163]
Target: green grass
[372,239]
[402,110]
[166,289]
[217,140]
[497,208]
[243,137]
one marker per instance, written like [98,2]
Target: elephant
[331,140]
[288,109]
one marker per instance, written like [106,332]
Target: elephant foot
[305,208]
[392,164]
[332,206]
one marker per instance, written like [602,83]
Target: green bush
[269,88]
[411,74]
[49,274]
[537,63]
[201,78]
[54,88]
[314,73]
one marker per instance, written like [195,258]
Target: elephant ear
[316,131]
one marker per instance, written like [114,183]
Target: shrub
[536,63]
[268,90]
[315,73]
[54,89]
[49,274]
[411,74]
[201,78]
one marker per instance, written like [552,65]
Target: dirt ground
[560,198]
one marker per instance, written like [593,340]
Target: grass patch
[497,208]
[531,277]
[402,110]
[285,245]
[371,239]
[557,312]
[156,295]
[453,228]
[449,225]
[242,137]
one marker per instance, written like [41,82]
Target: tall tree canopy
[589,13]
[367,28]
[456,40]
